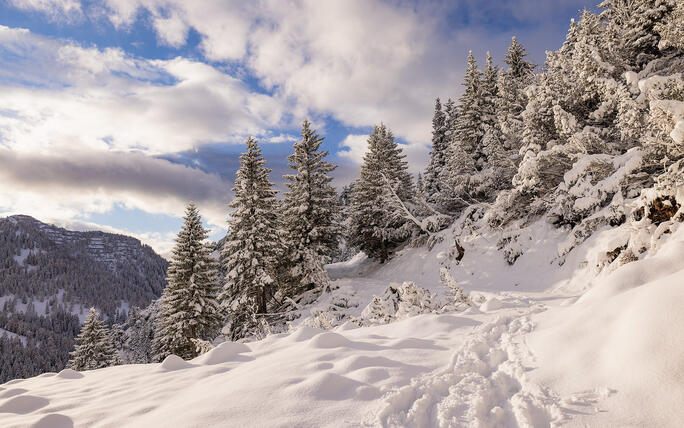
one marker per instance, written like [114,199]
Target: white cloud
[68,10]
[104,99]
[361,61]
[356,145]
[281,138]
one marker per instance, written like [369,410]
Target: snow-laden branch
[402,206]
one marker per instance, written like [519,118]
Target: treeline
[45,344]
[70,273]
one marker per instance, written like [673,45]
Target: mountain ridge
[50,276]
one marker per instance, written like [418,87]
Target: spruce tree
[634,22]
[432,185]
[469,121]
[189,307]
[310,215]
[458,176]
[511,98]
[671,30]
[253,244]
[464,150]
[94,348]
[497,168]
[376,224]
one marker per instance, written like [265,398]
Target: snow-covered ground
[551,342]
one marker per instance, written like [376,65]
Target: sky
[114,114]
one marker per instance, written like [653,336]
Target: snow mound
[224,352]
[492,304]
[69,374]
[54,420]
[330,340]
[304,333]
[23,404]
[12,392]
[328,386]
[174,362]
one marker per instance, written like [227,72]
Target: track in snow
[485,385]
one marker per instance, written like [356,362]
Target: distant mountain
[50,276]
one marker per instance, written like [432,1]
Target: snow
[22,256]
[623,334]
[552,341]
[69,374]
[12,335]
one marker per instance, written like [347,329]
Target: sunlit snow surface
[549,344]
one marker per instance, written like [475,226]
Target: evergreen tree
[489,92]
[376,224]
[511,99]
[464,151]
[450,113]
[253,244]
[140,329]
[309,217]
[671,29]
[94,348]
[498,167]
[432,184]
[634,22]
[518,66]
[189,307]
[469,121]
[458,175]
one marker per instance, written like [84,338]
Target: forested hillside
[50,276]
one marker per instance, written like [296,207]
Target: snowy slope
[541,351]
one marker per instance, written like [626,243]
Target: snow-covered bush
[396,303]
[333,315]
[511,247]
[457,298]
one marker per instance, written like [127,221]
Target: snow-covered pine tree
[140,328]
[511,98]
[309,217]
[671,29]
[634,23]
[498,166]
[464,132]
[457,175]
[94,348]
[253,244]
[375,224]
[451,113]
[469,121]
[432,182]
[189,307]
[489,92]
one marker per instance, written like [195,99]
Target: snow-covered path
[484,385]
[450,369]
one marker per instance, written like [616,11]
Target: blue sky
[114,114]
